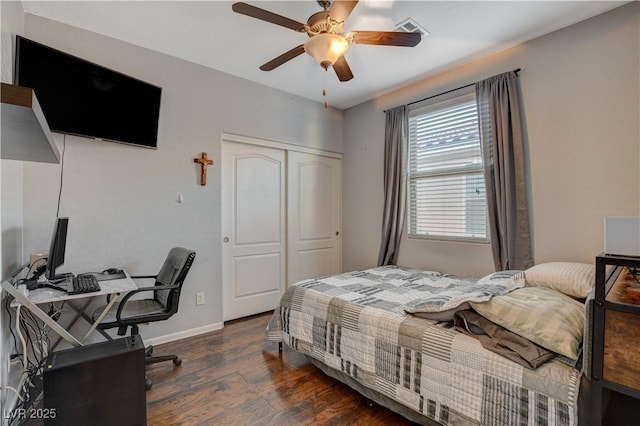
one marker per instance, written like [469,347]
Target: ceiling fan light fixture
[326,48]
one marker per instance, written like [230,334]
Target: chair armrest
[139,290]
[133,278]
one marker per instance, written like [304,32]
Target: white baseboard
[184,334]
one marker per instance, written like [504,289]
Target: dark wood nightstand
[616,330]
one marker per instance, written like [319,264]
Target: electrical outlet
[199,298]
[36,257]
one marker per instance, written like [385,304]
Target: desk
[39,296]
[616,331]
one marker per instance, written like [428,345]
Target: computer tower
[98,384]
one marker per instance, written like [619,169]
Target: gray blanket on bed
[348,323]
[400,290]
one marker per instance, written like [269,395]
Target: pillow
[573,279]
[543,315]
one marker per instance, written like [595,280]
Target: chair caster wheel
[147,384]
[177,362]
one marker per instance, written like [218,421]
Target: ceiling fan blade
[287,56]
[341,9]
[386,38]
[265,15]
[342,69]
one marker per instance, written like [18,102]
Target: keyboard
[83,283]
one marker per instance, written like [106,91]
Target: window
[446,182]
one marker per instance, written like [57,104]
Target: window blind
[446,183]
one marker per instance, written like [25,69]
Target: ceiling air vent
[411,26]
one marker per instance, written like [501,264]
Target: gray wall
[581,107]
[121,200]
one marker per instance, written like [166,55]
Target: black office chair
[166,295]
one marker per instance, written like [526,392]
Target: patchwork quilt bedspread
[356,323]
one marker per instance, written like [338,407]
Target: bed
[386,332]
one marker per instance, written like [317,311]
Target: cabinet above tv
[25,134]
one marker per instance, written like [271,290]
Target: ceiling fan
[327,41]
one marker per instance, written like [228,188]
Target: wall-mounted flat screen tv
[81,98]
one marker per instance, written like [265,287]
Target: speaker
[98,384]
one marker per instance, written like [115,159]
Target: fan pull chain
[324,90]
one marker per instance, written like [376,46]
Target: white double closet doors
[281,221]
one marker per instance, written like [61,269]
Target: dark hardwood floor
[234,377]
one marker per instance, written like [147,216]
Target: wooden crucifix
[204,162]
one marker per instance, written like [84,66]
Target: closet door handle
[225,239]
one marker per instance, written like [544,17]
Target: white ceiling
[211,34]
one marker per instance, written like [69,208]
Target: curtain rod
[517,70]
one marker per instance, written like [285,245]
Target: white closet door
[314,216]
[253,228]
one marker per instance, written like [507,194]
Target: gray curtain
[395,188]
[503,155]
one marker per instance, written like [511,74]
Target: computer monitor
[57,248]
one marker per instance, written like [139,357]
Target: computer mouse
[112,271]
